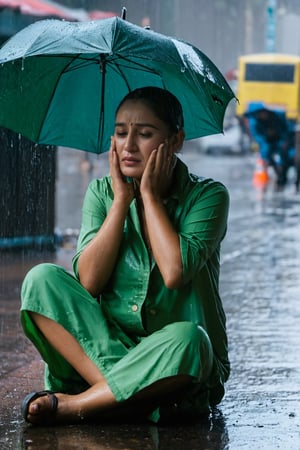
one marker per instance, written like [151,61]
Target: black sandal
[33,396]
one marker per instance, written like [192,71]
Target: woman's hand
[123,190]
[163,238]
[158,172]
[97,261]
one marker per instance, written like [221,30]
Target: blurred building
[17,14]
[223,29]
[288,34]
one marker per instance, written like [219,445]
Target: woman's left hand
[158,172]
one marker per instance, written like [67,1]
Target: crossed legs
[98,399]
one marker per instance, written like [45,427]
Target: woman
[141,325]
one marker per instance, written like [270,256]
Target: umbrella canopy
[61,82]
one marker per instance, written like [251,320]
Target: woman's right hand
[98,259]
[123,190]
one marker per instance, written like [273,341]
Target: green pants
[128,363]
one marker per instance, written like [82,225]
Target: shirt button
[152,311]
[134,308]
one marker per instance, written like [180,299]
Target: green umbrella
[61,82]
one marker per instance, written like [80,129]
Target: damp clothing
[138,331]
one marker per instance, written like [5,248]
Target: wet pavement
[260,287]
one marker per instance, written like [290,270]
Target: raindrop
[22,66]
[182,69]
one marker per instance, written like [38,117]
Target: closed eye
[121,133]
[146,134]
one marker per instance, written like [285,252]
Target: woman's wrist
[121,204]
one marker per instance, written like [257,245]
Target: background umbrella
[60,82]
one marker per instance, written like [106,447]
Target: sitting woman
[140,327]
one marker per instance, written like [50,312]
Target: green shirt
[135,297]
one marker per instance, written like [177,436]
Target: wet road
[260,287]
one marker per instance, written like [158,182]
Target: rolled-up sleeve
[203,227]
[95,205]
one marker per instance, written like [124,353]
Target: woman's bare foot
[46,407]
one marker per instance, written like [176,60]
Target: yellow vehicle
[273,79]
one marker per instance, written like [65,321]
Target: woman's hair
[163,104]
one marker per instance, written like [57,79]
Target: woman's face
[137,133]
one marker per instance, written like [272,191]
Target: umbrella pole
[101,119]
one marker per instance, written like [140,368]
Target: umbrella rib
[122,75]
[97,60]
[137,66]
[83,61]
[112,62]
